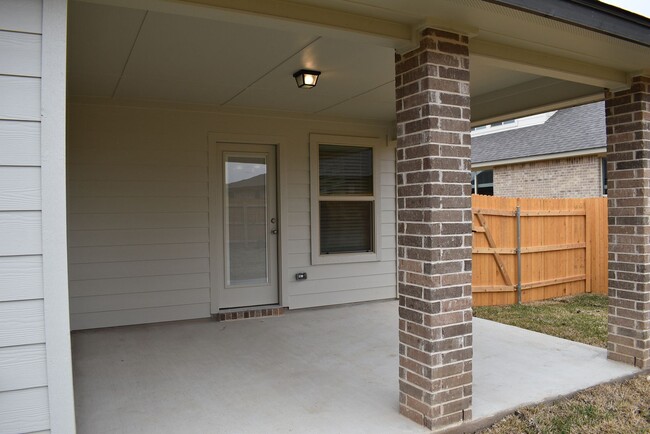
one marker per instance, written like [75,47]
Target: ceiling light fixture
[306,78]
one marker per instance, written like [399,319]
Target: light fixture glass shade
[306,78]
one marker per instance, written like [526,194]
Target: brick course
[434,230]
[568,177]
[628,167]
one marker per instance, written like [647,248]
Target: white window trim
[315,140]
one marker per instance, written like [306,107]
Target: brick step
[249,312]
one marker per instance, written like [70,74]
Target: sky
[641,7]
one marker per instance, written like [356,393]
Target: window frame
[315,140]
[475,184]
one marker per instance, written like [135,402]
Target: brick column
[628,179]
[434,230]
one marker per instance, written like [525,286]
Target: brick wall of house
[570,177]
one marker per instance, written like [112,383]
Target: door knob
[274,231]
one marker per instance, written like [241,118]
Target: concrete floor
[318,371]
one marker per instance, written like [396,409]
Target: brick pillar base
[434,230]
[628,178]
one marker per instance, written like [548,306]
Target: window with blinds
[344,205]
[345,183]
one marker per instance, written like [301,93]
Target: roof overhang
[523,60]
[590,14]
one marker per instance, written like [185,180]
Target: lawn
[608,408]
[581,318]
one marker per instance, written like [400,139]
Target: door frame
[214,208]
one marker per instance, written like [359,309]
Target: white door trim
[282,207]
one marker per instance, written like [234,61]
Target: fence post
[518,213]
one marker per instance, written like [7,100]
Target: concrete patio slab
[514,367]
[331,370]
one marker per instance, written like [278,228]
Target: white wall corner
[54,229]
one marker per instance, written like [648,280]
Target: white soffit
[378,103]
[486,78]
[202,61]
[348,69]
[99,42]
[131,54]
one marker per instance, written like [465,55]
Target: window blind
[345,170]
[346,226]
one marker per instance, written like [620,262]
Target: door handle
[274,231]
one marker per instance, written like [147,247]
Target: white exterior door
[245,225]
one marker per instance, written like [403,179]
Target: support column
[628,179]
[434,230]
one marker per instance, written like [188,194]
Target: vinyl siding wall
[23,370]
[138,214]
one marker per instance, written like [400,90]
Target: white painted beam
[532,97]
[281,14]
[548,65]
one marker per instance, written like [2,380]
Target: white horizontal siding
[345,282]
[22,367]
[24,411]
[139,300]
[21,16]
[20,188]
[20,143]
[138,188]
[21,323]
[98,171]
[139,156]
[299,301]
[86,222]
[21,277]
[20,98]
[139,316]
[138,234]
[23,371]
[105,270]
[20,232]
[121,237]
[107,254]
[20,54]
[137,204]
[168,282]
[139,225]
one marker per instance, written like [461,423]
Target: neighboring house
[556,154]
[119,117]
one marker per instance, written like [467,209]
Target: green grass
[581,318]
[608,408]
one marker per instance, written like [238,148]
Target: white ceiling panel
[486,78]
[99,41]
[347,70]
[198,60]
[377,104]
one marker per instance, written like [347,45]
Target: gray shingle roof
[573,129]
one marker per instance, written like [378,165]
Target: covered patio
[166,98]
[321,370]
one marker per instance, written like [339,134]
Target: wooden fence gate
[562,248]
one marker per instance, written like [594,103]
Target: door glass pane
[246,220]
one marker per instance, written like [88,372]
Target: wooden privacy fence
[562,248]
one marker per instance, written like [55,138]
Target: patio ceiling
[228,57]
